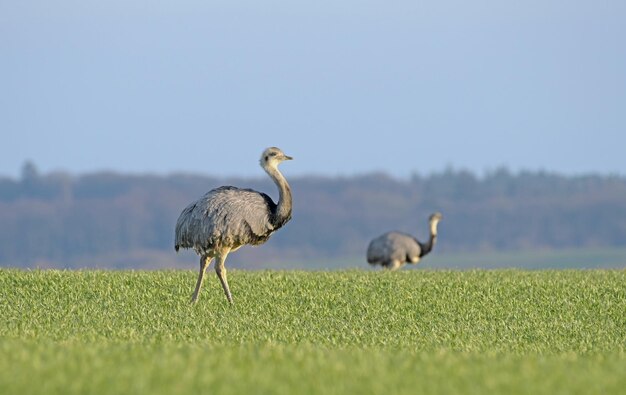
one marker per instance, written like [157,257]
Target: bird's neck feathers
[433,227]
[428,246]
[283,209]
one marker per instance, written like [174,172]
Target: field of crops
[442,332]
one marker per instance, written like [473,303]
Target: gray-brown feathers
[393,246]
[226,217]
[393,250]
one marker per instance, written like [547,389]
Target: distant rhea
[393,250]
[227,218]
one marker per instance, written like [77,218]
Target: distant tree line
[115,220]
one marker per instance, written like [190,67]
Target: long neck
[428,246]
[283,209]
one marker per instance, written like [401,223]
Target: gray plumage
[393,250]
[227,218]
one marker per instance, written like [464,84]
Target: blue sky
[345,87]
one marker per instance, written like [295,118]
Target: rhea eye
[272,153]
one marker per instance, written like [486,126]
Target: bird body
[392,250]
[226,218]
[393,246]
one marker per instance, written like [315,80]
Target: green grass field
[365,332]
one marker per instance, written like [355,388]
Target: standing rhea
[393,250]
[227,218]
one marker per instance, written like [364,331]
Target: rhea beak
[285,157]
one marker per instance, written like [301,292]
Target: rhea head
[272,157]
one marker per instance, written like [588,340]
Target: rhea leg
[395,265]
[205,261]
[220,270]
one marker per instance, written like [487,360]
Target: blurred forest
[110,220]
